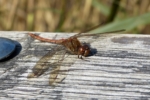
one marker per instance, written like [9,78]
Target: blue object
[7,47]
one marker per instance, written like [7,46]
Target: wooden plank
[119,70]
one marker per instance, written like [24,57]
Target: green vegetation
[75,15]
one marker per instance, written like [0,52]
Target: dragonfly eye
[84,50]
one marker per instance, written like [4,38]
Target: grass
[74,15]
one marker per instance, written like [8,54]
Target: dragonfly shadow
[93,51]
[17,50]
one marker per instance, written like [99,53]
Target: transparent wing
[84,33]
[52,59]
[54,79]
[59,73]
[96,34]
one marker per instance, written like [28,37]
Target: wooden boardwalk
[119,70]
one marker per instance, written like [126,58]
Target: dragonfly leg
[80,57]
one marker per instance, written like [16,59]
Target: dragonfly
[72,45]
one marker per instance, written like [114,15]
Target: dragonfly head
[84,50]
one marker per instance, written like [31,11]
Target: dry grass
[64,15]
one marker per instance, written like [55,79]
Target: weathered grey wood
[119,70]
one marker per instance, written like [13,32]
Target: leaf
[127,24]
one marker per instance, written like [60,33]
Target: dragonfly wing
[51,61]
[53,76]
[53,79]
[57,76]
[59,73]
[40,67]
[43,64]
[97,34]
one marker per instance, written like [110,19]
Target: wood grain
[120,69]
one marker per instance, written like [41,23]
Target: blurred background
[75,15]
